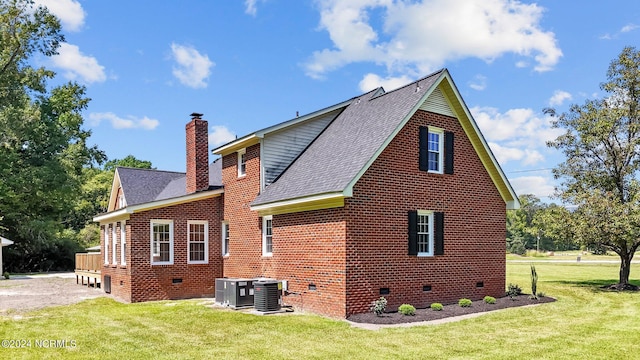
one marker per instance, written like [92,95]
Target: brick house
[388,193]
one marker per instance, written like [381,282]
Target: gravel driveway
[26,293]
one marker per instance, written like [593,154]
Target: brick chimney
[197,154]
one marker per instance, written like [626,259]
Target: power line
[530,170]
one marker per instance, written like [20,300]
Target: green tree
[519,223]
[600,173]
[43,148]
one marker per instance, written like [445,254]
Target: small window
[225,238]
[198,238]
[435,145]
[161,242]
[242,162]
[267,235]
[425,233]
[123,243]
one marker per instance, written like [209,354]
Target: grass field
[585,322]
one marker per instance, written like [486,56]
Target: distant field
[564,255]
[585,322]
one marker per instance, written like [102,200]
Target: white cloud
[629,27]
[505,154]
[536,185]
[69,12]
[76,65]
[418,37]
[192,68]
[479,82]
[559,98]
[251,7]
[625,29]
[373,81]
[117,122]
[220,135]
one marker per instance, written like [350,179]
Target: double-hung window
[425,233]
[242,162]
[267,235]
[106,244]
[114,243]
[123,243]
[436,150]
[198,239]
[225,238]
[161,242]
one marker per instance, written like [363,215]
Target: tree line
[51,181]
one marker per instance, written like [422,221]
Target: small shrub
[6,275]
[489,300]
[407,309]
[379,306]
[437,307]
[465,302]
[541,294]
[513,290]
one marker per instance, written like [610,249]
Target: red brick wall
[120,274]
[245,239]
[197,139]
[309,248]
[377,226]
[143,281]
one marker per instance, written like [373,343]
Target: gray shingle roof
[146,185]
[334,159]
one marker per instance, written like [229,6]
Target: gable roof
[144,189]
[355,139]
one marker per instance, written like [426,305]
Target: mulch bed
[448,311]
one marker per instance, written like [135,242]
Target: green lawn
[584,323]
[570,255]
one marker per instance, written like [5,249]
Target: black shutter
[448,152]
[413,232]
[424,148]
[439,233]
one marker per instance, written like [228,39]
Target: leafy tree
[43,148]
[129,161]
[600,173]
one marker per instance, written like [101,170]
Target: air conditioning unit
[268,295]
[235,293]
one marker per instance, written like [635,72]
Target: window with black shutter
[426,233]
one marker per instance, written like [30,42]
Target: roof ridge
[154,170]
[411,83]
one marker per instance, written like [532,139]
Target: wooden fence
[88,265]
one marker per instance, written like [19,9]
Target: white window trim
[240,172]
[123,242]
[114,244]
[106,244]
[431,231]
[161,221]
[206,242]
[224,229]
[264,235]
[440,132]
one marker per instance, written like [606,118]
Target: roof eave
[307,203]
[237,144]
[124,213]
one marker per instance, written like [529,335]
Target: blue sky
[249,64]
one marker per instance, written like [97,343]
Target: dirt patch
[448,311]
[25,293]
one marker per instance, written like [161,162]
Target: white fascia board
[296,201]
[235,143]
[125,212]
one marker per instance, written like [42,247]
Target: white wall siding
[279,149]
[436,103]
